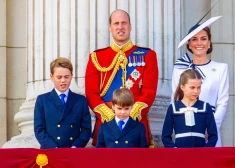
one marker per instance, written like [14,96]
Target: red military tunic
[139,72]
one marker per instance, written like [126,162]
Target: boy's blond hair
[61,62]
[123,97]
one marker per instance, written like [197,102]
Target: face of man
[61,78]
[120,27]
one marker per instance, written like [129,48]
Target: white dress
[214,89]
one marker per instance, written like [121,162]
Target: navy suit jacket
[132,135]
[59,125]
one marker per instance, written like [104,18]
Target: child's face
[122,112]
[61,78]
[191,89]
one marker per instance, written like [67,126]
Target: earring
[209,47]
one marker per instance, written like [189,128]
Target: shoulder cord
[119,60]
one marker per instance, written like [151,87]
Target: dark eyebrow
[200,37]
[120,22]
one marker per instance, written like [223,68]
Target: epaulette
[143,47]
[101,49]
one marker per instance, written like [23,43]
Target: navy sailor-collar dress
[189,125]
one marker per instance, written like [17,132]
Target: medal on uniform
[142,63]
[140,83]
[138,61]
[135,74]
[129,64]
[134,61]
[129,83]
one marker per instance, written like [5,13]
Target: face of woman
[199,44]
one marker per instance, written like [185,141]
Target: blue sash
[117,81]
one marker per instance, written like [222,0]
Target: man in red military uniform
[121,65]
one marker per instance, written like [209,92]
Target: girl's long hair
[187,74]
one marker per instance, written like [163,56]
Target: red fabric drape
[91,157]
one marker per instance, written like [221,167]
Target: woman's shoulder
[214,67]
[219,64]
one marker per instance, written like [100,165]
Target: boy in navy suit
[122,131]
[61,117]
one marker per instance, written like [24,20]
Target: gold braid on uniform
[119,60]
[151,141]
[106,113]
[103,69]
[136,110]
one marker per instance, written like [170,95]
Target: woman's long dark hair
[184,77]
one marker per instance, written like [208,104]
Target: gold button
[71,126]
[116,142]
[126,142]
[71,138]
[58,138]
[58,126]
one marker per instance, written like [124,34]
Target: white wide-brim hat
[197,28]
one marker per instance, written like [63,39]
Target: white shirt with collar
[66,93]
[125,121]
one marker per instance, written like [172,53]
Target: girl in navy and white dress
[215,85]
[189,117]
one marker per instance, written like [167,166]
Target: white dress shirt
[125,121]
[66,93]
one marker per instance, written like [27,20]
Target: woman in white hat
[215,83]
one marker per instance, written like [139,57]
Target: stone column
[164,32]
[3,113]
[193,12]
[54,30]
[223,38]
[15,60]
[74,28]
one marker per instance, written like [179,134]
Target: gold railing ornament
[42,160]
